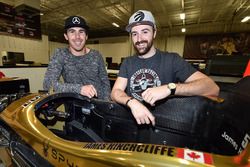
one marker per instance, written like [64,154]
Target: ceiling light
[41,14]
[182,16]
[116,25]
[183,30]
[245,19]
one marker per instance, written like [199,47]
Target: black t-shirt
[160,69]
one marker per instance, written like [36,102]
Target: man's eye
[133,34]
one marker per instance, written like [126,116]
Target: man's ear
[65,36]
[155,30]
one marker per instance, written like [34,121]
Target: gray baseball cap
[141,17]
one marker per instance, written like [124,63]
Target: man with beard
[82,69]
[151,75]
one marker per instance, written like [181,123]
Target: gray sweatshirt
[77,71]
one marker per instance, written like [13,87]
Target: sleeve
[123,72]
[53,71]
[182,69]
[53,74]
[104,78]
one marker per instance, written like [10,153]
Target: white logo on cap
[76,20]
[139,16]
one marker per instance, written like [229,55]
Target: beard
[145,49]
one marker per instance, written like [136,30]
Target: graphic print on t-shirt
[141,80]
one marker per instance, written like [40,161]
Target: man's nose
[77,35]
[139,38]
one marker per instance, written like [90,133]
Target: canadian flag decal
[195,156]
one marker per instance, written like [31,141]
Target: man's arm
[139,111]
[53,74]
[197,84]
[104,79]
[118,91]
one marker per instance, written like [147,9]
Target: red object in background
[247,71]
[1,75]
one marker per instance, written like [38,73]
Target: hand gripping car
[66,129]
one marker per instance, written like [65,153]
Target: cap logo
[139,16]
[76,20]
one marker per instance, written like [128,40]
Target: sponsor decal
[244,143]
[237,146]
[76,20]
[133,147]
[139,16]
[230,140]
[60,158]
[195,156]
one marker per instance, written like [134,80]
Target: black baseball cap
[75,21]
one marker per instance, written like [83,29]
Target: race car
[67,129]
